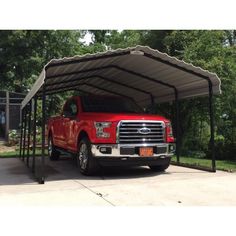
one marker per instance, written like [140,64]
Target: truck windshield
[110,105]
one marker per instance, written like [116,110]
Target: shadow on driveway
[14,172]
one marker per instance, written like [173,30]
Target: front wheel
[87,164]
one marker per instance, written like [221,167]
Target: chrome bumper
[118,150]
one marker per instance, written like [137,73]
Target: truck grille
[135,132]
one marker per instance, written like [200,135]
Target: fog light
[105,150]
[171,148]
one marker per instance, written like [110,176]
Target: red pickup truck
[110,131]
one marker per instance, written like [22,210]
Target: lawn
[16,153]
[220,164]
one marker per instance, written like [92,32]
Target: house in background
[10,115]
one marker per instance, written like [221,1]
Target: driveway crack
[98,194]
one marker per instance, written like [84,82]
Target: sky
[87,39]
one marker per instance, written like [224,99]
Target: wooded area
[24,53]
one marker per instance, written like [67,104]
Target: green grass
[16,153]
[220,164]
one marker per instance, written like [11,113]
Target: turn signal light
[169,133]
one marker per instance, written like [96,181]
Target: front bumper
[120,151]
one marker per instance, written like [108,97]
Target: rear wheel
[52,152]
[159,168]
[87,164]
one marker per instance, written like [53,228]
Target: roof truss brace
[118,68]
[106,90]
[72,87]
[109,67]
[69,89]
[105,79]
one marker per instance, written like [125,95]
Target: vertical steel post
[20,115]
[42,174]
[177,125]
[34,134]
[21,131]
[211,113]
[7,116]
[29,131]
[24,136]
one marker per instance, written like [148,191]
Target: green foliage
[114,39]
[13,137]
[214,51]
[225,165]
[24,53]
[155,39]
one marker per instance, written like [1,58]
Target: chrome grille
[133,132]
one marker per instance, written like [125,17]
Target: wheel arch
[82,134]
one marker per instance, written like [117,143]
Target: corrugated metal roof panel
[141,67]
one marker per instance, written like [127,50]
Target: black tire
[159,168]
[53,154]
[87,164]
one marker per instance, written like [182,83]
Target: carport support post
[212,140]
[177,125]
[34,134]
[29,131]
[7,115]
[21,131]
[42,174]
[24,136]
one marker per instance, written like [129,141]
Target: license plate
[146,151]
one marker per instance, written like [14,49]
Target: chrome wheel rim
[83,156]
[50,147]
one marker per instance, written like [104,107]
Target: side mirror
[66,114]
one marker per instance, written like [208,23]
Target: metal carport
[144,74]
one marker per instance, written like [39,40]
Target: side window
[73,108]
[70,109]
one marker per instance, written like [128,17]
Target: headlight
[169,129]
[169,133]
[100,126]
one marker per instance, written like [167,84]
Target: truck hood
[115,117]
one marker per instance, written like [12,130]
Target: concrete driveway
[139,186]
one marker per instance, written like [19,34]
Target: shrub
[13,137]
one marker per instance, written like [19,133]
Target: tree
[24,53]
[214,51]
[113,39]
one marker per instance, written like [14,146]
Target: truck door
[58,134]
[69,124]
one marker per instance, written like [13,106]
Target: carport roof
[140,72]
